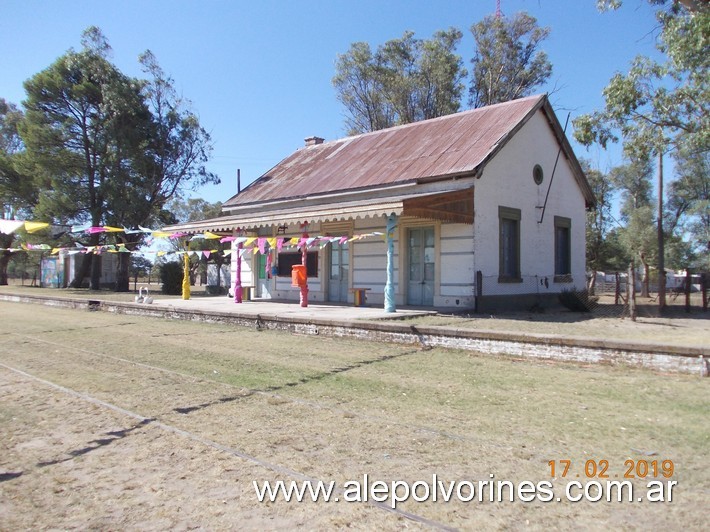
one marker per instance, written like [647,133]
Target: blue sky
[259,73]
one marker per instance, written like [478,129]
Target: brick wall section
[667,359]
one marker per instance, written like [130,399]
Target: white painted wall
[463,249]
[455,267]
[225,279]
[109,263]
[507,181]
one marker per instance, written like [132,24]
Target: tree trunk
[646,276]
[193,272]
[661,251]
[4,260]
[123,278]
[90,266]
[592,283]
[631,291]
[83,271]
[95,281]
[5,242]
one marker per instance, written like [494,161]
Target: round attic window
[537,174]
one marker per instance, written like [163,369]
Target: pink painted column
[238,280]
[304,262]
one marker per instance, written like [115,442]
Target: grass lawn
[114,421]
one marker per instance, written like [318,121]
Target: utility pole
[661,250]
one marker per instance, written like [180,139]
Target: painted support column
[238,276]
[389,285]
[304,262]
[186,275]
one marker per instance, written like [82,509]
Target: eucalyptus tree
[403,81]
[659,106]
[509,62]
[604,250]
[689,203]
[638,236]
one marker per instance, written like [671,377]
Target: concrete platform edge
[664,358]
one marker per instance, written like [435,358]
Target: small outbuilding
[483,208]
[58,271]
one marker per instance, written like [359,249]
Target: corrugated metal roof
[447,146]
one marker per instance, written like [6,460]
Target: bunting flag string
[261,245]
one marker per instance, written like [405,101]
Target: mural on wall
[52,274]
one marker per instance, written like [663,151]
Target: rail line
[246,392]
[143,420]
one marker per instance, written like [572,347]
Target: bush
[576,301]
[171,278]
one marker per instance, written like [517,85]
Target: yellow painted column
[186,276]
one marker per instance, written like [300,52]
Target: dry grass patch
[330,409]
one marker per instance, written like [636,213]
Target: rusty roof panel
[449,145]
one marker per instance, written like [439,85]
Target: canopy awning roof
[451,206]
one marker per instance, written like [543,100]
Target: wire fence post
[687,287]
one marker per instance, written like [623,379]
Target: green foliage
[10,116]
[508,62]
[193,209]
[79,130]
[633,180]
[139,266]
[689,204]
[18,192]
[604,251]
[108,149]
[655,108]
[171,278]
[409,79]
[659,105]
[639,236]
[404,81]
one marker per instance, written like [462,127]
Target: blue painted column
[389,285]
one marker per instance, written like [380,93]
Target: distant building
[218,278]
[488,209]
[59,271]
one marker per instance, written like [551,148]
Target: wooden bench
[360,296]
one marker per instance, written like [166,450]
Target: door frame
[327,270]
[337,229]
[262,283]
[414,223]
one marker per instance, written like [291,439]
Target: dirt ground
[116,422]
[678,329]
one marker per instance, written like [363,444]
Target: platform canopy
[453,206]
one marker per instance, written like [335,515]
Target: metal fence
[610,295]
[683,293]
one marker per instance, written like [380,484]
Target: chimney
[313,141]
